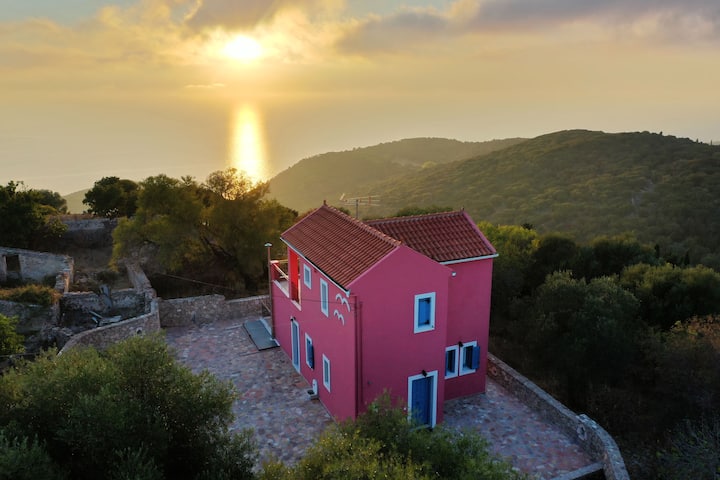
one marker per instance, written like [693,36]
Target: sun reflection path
[247,143]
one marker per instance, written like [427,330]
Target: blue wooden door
[421,400]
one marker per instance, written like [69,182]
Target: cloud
[410,29]
[231,14]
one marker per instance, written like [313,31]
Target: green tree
[553,252]
[671,294]
[148,414]
[10,341]
[23,459]
[165,226]
[26,221]
[583,331]
[112,197]
[216,228]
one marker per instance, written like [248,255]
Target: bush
[23,459]
[693,451]
[148,414]
[383,444]
[10,341]
[32,294]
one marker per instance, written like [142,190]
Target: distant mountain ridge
[663,189]
[327,176]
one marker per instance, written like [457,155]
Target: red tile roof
[344,248]
[444,237]
[339,245]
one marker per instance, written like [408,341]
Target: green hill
[665,190]
[74,201]
[308,183]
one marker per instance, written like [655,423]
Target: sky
[134,88]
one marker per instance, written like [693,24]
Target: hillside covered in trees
[327,176]
[662,189]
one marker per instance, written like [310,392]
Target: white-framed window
[307,276]
[324,302]
[469,358]
[309,352]
[424,312]
[452,355]
[326,372]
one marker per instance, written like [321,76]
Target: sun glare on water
[247,145]
[243,48]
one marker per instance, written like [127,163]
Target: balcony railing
[279,275]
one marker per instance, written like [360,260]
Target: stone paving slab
[273,401]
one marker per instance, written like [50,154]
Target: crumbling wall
[87,232]
[37,266]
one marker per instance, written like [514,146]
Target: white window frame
[456,370]
[309,346]
[324,298]
[464,370]
[307,275]
[326,372]
[431,325]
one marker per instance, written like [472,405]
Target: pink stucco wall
[470,313]
[391,351]
[332,336]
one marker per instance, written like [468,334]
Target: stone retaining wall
[31,318]
[179,312]
[589,435]
[103,337]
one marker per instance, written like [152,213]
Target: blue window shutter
[475,358]
[311,355]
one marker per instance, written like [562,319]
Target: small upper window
[451,361]
[307,276]
[324,303]
[469,358]
[424,312]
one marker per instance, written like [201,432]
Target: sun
[243,48]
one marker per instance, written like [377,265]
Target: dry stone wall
[589,435]
[179,312]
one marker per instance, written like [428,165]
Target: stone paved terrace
[274,402]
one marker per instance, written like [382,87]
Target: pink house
[399,305]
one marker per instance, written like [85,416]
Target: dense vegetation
[614,330]
[664,190]
[134,413]
[328,176]
[212,232]
[28,217]
[380,444]
[131,412]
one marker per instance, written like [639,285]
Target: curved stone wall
[588,434]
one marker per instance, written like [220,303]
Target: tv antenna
[367,201]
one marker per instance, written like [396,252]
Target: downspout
[359,383]
[270,291]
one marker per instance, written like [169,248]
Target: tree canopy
[112,197]
[130,412]
[29,217]
[218,226]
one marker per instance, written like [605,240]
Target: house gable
[340,246]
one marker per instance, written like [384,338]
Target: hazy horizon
[186,87]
